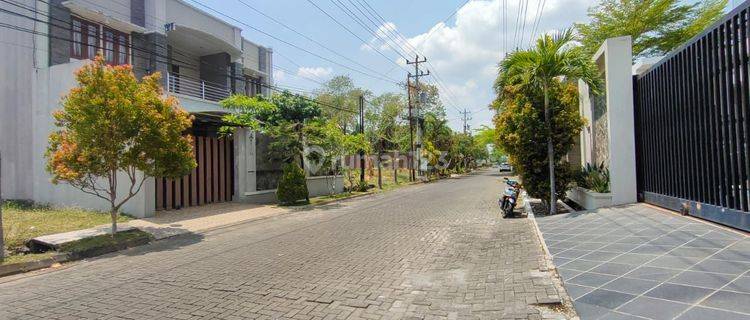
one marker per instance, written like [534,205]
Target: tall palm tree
[554,57]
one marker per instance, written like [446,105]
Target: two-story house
[202,59]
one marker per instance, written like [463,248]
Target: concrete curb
[549,264]
[22,267]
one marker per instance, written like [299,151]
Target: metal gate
[211,181]
[692,125]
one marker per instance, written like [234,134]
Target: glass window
[122,49]
[85,39]
[109,47]
[77,40]
[92,40]
[116,47]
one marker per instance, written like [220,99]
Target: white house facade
[202,60]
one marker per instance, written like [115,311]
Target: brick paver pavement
[428,251]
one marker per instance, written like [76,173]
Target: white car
[505,167]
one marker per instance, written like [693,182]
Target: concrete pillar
[244,163]
[618,57]
[237,80]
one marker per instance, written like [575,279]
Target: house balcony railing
[196,88]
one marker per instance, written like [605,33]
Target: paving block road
[436,250]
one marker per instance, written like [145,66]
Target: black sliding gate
[692,125]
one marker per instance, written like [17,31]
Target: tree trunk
[394,163]
[302,157]
[380,174]
[113,215]
[550,153]
[113,199]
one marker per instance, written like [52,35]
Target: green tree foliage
[282,117]
[535,71]
[113,126]
[292,185]
[331,144]
[656,26]
[381,125]
[522,132]
[341,93]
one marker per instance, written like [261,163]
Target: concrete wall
[16,74]
[319,186]
[184,14]
[118,9]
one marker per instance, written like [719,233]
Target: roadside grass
[104,240]
[19,258]
[372,179]
[23,221]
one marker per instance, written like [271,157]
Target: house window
[85,39]
[252,86]
[115,47]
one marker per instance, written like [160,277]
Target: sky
[462,49]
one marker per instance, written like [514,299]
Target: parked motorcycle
[509,198]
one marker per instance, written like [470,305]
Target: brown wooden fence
[211,181]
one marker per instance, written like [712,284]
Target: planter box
[589,199]
[318,186]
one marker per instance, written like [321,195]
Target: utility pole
[418,73]
[362,131]
[412,177]
[465,118]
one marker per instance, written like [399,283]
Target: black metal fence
[692,125]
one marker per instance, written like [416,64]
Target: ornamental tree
[537,69]
[113,127]
[522,132]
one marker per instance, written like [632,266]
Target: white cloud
[465,55]
[279,75]
[314,72]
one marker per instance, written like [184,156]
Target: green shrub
[594,178]
[292,185]
[362,186]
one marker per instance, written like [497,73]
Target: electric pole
[412,177]
[362,131]
[418,73]
[466,118]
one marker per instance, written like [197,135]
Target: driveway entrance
[636,262]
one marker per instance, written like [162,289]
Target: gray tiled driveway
[636,262]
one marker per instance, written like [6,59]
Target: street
[435,250]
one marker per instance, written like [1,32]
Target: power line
[378,27]
[362,24]
[312,40]
[353,34]
[523,21]
[538,20]
[291,44]
[438,79]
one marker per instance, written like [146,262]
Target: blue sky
[463,52]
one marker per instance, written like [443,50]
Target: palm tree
[553,57]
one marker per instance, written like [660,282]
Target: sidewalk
[640,262]
[197,219]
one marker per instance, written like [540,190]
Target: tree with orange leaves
[113,127]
